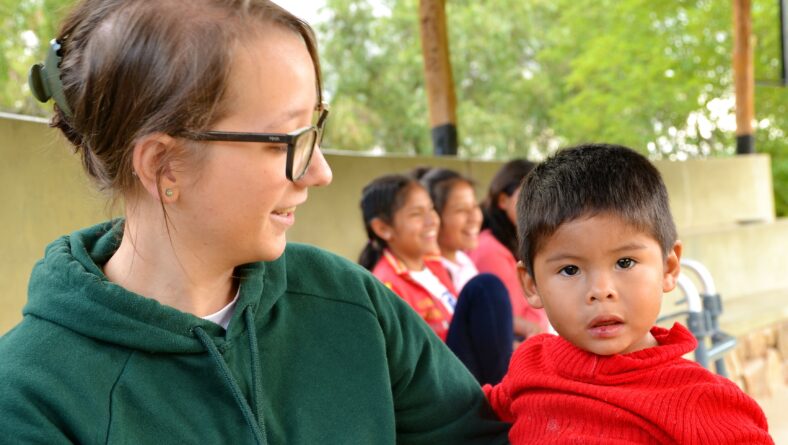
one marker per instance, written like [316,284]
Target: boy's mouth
[605,325]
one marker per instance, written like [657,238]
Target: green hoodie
[317,351]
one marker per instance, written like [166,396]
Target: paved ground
[776,409]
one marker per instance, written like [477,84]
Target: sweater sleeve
[25,422]
[499,400]
[437,400]
[38,403]
[724,415]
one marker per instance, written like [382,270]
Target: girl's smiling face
[461,220]
[413,231]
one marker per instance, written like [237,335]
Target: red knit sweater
[557,393]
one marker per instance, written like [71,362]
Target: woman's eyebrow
[286,117]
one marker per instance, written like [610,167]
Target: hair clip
[44,79]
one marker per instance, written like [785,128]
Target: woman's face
[240,204]
[413,231]
[461,220]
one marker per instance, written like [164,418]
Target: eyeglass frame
[288,138]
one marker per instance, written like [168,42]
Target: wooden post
[783,43]
[743,76]
[438,78]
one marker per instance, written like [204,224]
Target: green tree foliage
[530,75]
[533,75]
[26,27]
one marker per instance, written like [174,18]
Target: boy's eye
[569,270]
[625,263]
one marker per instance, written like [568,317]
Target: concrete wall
[704,194]
[724,208]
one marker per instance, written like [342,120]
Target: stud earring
[169,192]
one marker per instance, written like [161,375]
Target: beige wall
[45,195]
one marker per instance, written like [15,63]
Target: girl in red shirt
[402,229]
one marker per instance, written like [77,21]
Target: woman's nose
[319,172]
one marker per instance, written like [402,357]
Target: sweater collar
[572,362]
[400,268]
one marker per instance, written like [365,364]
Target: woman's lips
[284,216]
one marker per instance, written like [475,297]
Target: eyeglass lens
[304,147]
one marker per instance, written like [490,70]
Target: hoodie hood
[69,288]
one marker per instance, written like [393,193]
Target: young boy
[599,248]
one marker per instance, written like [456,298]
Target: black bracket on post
[745,144]
[444,140]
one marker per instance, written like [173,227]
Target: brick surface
[771,336]
[782,340]
[774,369]
[755,378]
[756,345]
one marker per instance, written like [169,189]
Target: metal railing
[703,309]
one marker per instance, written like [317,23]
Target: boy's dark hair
[506,181]
[381,198]
[588,180]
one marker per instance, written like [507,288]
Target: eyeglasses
[300,143]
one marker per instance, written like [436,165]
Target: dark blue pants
[481,333]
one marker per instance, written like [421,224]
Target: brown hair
[506,181]
[134,67]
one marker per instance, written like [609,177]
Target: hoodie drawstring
[257,386]
[258,429]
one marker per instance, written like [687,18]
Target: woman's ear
[672,267]
[529,287]
[381,229]
[153,165]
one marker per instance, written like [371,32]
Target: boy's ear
[672,268]
[381,229]
[153,157]
[529,287]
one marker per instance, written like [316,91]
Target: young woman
[497,247]
[190,320]
[403,231]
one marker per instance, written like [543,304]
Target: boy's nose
[601,288]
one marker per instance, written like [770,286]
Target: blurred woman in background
[496,252]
